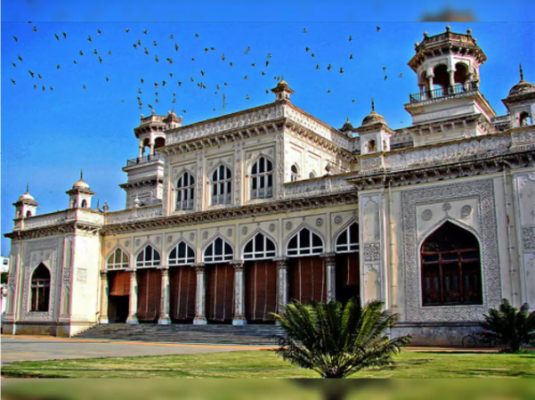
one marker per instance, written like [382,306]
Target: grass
[266,364]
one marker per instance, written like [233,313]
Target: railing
[143,160]
[450,91]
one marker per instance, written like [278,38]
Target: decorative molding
[528,237]
[371,251]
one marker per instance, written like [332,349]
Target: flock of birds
[169,56]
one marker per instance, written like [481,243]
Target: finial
[469,32]
[448,28]
[81,174]
[521,72]
[373,105]
[347,119]
[98,204]
[27,187]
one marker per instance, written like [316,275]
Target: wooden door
[149,294]
[182,285]
[347,277]
[260,290]
[307,279]
[219,292]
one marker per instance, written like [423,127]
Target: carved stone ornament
[272,228]
[288,225]
[192,236]
[427,214]
[372,251]
[169,238]
[528,237]
[338,220]
[138,241]
[229,232]
[410,199]
[205,235]
[127,243]
[446,206]
[319,222]
[466,211]
[244,230]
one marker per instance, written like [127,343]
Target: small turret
[521,102]
[80,194]
[25,206]
[374,133]
[282,91]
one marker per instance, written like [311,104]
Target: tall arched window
[262,179]
[185,192]
[221,185]
[117,260]
[294,173]
[40,289]
[451,267]
[181,254]
[84,203]
[524,119]
[217,251]
[305,242]
[348,239]
[148,257]
[259,247]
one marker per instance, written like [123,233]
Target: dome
[373,118]
[80,184]
[26,196]
[521,88]
[348,126]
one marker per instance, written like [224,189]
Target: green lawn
[266,364]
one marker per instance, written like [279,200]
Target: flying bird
[64,35]
[16,39]
[89,39]
[56,36]
[13,81]
[378,28]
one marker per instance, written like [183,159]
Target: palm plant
[510,327]
[337,340]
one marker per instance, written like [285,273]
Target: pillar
[282,284]
[200,296]
[103,297]
[164,299]
[140,149]
[239,295]
[329,261]
[132,304]
[430,85]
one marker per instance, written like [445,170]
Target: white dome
[80,184]
[26,196]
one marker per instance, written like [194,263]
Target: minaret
[447,68]
[80,194]
[25,206]
[374,133]
[521,102]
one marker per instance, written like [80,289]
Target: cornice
[58,229]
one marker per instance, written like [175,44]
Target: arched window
[312,175]
[185,192]
[441,80]
[305,242]
[524,119]
[181,254]
[117,260]
[348,239]
[451,268]
[40,289]
[217,251]
[148,257]
[262,179]
[28,213]
[371,146]
[84,203]
[221,185]
[294,173]
[259,247]
[461,73]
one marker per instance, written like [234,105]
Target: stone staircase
[252,334]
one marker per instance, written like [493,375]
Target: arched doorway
[347,264]
[119,286]
[219,281]
[182,281]
[450,267]
[40,284]
[149,284]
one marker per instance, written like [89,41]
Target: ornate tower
[374,133]
[447,68]
[521,102]
[25,206]
[80,194]
[145,173]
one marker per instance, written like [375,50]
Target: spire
[81,174]
[373,105]
[521,72]
[27,187]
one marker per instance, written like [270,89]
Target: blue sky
[48,135]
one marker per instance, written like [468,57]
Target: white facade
[275,170]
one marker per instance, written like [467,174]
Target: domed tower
[80,194]
[151,132]
[447,67]
[521,102]
[374,133]
[282,91]
[25,206]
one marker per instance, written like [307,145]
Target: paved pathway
[33,348]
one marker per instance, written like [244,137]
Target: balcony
[458,89]
[143,160]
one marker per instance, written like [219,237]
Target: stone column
[103,297]
[239,295]
[451,75]
[132,301]
[200,296]
[140,149]
[164,297]
[329,261]
[430,85]
[282,284]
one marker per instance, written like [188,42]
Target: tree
[510,327]
[338,340]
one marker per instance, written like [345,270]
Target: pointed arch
[118,259]
[262,178]
[40,288]
[181,254]
[259,247]
[294,172]
[221,181]
[217,251]
[185,191]
[450,266]
[305,242]
[347,240]
[149,257]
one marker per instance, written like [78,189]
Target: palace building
[229,219]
